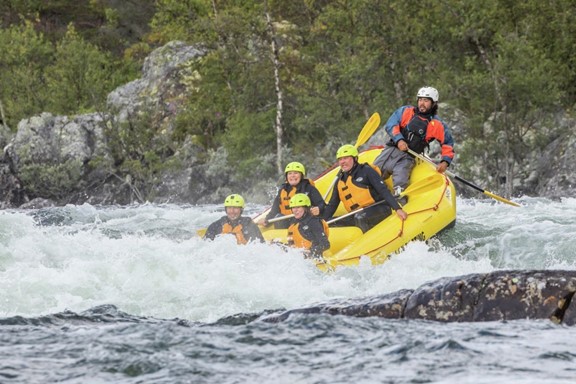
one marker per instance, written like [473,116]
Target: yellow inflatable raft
[431,207]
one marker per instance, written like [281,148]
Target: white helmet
[429,92]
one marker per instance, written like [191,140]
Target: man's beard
[424,111]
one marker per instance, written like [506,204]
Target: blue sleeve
[394,121]
[448,144]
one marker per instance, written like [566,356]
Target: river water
[131,295]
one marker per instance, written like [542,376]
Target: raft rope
[434,207]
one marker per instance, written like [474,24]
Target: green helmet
[234,201]
[347,150]
[300,200]
[295,167]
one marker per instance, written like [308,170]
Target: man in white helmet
[414,127]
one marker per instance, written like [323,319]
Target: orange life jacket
[295,238]
[237,231]
[353,196]
[285,200]
[286,196]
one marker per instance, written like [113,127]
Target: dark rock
[503,295]
[390,306]
[497,296]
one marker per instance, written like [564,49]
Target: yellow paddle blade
[201,232]
[423,185]
[368,130]
[500,198]
[468,183]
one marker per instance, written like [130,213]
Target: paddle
[367,131]
[281,218]
[468,183]
[354,212]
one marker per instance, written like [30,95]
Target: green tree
[22,87]
[80,77]
[234,83]
[180,20]
[506,78]
[317,69]
[139,155]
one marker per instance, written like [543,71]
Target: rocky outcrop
[551,172]
[163,87]
[49,154]
[497,296]
[76,159]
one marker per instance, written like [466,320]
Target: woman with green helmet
[234,223]
[296,182]
[307,231]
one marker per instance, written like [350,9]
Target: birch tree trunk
[3,117]
[274,56]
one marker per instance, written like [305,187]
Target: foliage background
[508,66]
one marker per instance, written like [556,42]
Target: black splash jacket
[362,176]
[311,229]
[243,228]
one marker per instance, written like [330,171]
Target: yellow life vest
[237,231]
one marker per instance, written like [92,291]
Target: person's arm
[213,230]
[385,193]
[380,187]
[332,203]
[252,230]
[439,131]
[316,199]
[393,125]
[320,242]
[275,208]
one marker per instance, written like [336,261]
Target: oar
[367,131]
[468,183]
[354,212]
[286,217]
